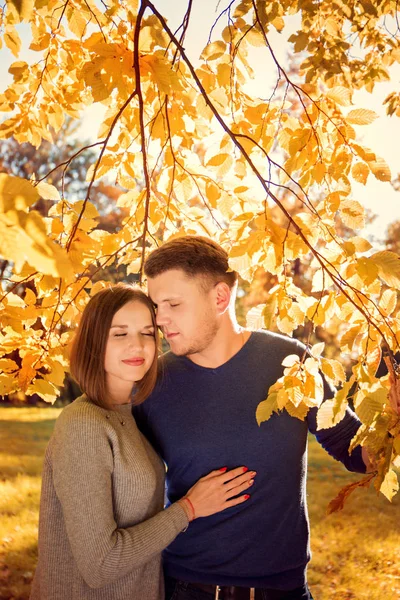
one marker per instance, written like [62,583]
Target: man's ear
[223,294]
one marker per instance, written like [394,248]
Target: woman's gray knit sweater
[102,525]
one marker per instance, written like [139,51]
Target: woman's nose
[135,342]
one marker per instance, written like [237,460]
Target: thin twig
[138,91]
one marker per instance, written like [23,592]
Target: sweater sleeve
[83,479]
[336,440]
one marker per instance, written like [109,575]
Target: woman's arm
[82,461]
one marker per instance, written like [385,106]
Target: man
[202,417]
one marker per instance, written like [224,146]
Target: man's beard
[199,345]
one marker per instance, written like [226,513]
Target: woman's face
[130,347]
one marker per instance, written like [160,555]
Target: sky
[382,136]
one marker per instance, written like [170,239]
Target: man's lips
[170,335]
[134,362]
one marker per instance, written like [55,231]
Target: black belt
[225,592]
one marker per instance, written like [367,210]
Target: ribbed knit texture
[102,525]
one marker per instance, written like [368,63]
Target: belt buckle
[218,589]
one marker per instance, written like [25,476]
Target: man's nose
[161,318]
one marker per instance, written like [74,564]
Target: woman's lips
[134,362]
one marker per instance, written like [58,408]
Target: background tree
[271,183]
[24,160]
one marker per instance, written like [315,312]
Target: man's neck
[224,346]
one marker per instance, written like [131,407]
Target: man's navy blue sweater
[200,419]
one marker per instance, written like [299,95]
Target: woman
[102,525]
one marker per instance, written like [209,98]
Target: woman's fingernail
[245,469]
[246,496]
[251,481]
[223,469]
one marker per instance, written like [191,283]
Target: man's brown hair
[195,256]
[89,345]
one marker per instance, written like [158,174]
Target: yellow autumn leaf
[18,69]
[27,372]
[164,75]
[340,94]
[14,300]
[270,308]
[24,8]
[294,390]
[370,403]
[213,50]
[254,37]
[333,410]
[390,485]
[241,264]
[213,193]
[380,169]
[317,349]
[361,116]
[23,238]
[360,172]
[352,214]
[388,264]
[56,117]
[255,317]
[12,40]
[48,191]
[388,302]
[332,26]
[90,212]
[46,390]
[373,359]
[77,21]
[134,266]
[7,365]
[111,243]
[360,244]
[8,384]
[319,172]
[57,372]
[217,160]
[278,23]
[266,408]
[16,193]
[333,370]
[298,412]
[30,297]
[290,360]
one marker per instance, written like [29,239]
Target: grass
[24,433]
[356,553]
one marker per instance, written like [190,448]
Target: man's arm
[369,461]
[336,440]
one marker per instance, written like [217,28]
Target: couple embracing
[235,525]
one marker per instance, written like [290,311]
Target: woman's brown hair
[89,345]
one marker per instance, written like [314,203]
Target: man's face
[186,313]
